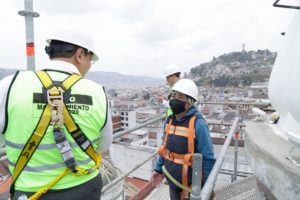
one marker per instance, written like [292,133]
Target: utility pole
[29,15]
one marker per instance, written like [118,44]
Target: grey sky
[141,37]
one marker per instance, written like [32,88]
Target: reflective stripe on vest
[44,146]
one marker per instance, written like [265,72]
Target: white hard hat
[274,116]
[171,69]
[187,87]
[76,37]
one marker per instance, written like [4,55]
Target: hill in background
[235,69]
[6,72]
[232,69]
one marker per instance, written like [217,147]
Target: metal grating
[160,193]
[246,189]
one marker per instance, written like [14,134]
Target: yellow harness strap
[32,143]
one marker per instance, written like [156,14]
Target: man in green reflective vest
[60,155]
[172,75]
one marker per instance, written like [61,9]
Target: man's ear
[78,55]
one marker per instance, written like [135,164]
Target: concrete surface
[266,147]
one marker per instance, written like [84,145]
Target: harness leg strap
[185,166]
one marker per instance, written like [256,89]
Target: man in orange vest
[185,133]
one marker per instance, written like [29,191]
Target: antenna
[29,15]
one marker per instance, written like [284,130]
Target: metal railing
[196,180]
[120,178]
[209,185]
[241,103]
[196,192]
[119,134]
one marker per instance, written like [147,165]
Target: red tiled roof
[5,183]
[4,167]
[136,182]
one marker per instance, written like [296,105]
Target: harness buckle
[55,99]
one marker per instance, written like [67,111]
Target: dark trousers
[90,190]
[175,194]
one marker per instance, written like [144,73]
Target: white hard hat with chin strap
[187,87]
[75,37]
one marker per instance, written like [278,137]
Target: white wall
[126,158]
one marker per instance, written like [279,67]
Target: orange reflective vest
[185,160]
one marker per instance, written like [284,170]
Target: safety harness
[185,160]
[55,113]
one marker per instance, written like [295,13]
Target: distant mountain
[116,79]
[109,79]
[234,69]
[6,72]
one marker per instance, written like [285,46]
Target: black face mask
[177,106]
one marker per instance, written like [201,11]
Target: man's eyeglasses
[169,76]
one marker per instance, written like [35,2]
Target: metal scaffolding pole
[29,15]
[197,177]
[236,153]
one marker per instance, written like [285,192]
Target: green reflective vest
[87,104]
[168,112]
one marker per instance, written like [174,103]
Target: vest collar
[61,66]
[192,111]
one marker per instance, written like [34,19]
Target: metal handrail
[234,103]
[119,134]
[209,185]
[197,177]
[115,181]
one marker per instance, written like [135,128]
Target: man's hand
[156,178]
[160,98]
